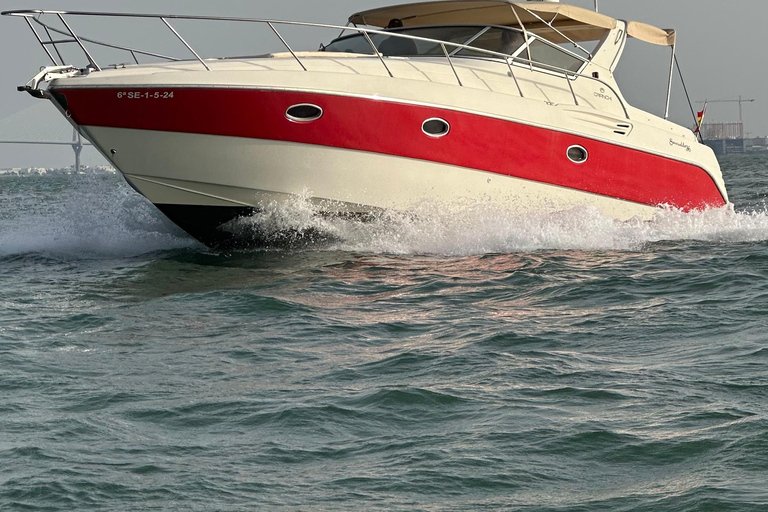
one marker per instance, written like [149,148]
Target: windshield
[400,46]
[552,55]
[504,40]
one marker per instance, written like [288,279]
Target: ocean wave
[91,217]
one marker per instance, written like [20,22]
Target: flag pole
[700,120]
[685,89]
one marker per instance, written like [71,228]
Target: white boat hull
[205,153]
[192,176]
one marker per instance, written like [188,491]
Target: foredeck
[452,69]
[464,71]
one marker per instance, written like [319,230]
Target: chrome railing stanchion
[575,99]
[80,43]
[53,43]
[451,63]
[512,74]
[285,43]
[185,43]
[39,40]
[376,51]
[107,45]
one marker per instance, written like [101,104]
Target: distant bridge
[39,124]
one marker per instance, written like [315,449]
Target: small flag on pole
[700,117]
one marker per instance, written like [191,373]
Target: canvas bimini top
[576,23]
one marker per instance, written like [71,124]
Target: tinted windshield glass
[392,45]
[501,40]
[508,41]
[512,42]
[552,56]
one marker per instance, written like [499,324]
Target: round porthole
[577,154]
[435,127]
[304,112]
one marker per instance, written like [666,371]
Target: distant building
[722,131]
[756,144]
[728,138]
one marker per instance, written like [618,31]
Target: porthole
[435,127]
[304,112]
[577,154]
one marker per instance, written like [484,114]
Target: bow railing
[45,34]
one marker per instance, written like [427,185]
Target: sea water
[425,361]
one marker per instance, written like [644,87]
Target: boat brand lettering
[145,95]
[602,95]
[680,144]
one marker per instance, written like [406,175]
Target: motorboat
[513,103]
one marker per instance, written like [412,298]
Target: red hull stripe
[474,141]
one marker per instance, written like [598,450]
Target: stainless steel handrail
[35,14]
[79,42]
[40,40]
[442,45]
[282,39]
[185,43]
[132,51]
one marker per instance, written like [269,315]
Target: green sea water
[433,362]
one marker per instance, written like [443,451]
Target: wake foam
[98,217]
[480,228]
[95,217]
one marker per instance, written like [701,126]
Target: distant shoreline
[51,171]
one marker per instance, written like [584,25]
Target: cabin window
[435,127]
[577,154]
[304,112]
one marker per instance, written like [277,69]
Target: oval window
[435,127]
[577,154]
[304,112]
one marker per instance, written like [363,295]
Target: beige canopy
[576,23]
[651,34]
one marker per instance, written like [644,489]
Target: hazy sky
[721,48]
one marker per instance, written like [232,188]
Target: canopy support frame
[669,83]
[549,24]
[525,33]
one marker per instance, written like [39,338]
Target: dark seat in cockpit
[397,46]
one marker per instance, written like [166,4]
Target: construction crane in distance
[739,101]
